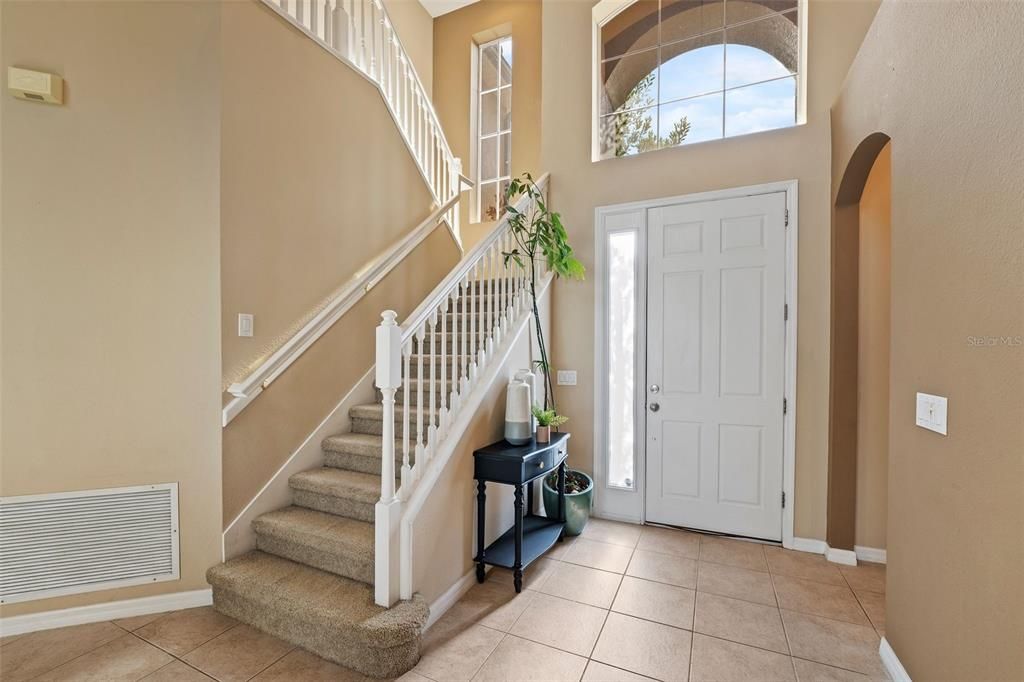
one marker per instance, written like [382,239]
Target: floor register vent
[66,543]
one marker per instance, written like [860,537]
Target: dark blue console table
[531,535]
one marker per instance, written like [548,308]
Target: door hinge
[787,217]
[785,406]
[785,311]
[783,499]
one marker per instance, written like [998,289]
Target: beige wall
[836,29]
[310,181]
[415,29]
[304,209]
[110,270]
[444,534]
[259,440]
[955,546]
[873,355]
[455,35]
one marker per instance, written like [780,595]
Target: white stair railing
[437,357]
[359,33]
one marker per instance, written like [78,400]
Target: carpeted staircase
[310,580]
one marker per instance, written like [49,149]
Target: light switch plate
[566,377]
[931,412]
[245,324]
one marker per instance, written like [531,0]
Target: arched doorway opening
[860,342]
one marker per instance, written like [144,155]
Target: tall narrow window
[621,287]
[675,72]
[494,127]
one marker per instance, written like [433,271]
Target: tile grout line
[608,611]
[785,630]
[75,658]
[857,599]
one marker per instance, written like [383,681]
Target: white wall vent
[65,543]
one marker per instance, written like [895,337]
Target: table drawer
[505,463]
[541,463]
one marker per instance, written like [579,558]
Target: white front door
[715,364]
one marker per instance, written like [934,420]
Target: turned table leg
[481,507]
[517,568]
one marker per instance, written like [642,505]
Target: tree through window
[674,72]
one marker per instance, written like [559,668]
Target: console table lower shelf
[539,534]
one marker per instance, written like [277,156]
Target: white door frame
[630,505]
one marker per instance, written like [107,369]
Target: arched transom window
[674,72]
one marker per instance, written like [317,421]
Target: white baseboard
[809,545]
[847,557]
[897,673]
[127,608]
[239,536]
[454,593]
[872,554]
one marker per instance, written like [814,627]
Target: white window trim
[630,505]
[474,120]
[606,10]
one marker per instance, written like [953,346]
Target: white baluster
[327,21]
[463,321]
[407,473]
[371,39]
[442,417]
[503,289]
[489,264]
[420,461]
[454,391]
[474,300]
[432,428]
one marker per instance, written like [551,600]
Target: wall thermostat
[35,86]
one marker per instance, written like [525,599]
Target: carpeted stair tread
[331,543]
[333,482]
[357,452]
[332,616]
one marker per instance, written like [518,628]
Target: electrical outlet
[931,412]
[245,324]
[566,377]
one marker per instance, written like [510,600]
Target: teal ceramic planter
[577,505]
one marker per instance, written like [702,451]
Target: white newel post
[388,509]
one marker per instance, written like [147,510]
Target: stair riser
[414,398]
[375,427]
[452,343]
[320,636]
[365,465]
[337,562]
[341,506]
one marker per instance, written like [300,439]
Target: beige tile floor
[620,602]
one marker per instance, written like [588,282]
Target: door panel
[715,364]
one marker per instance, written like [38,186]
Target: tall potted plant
[539,234]
[540,237]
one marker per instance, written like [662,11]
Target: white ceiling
[439,7]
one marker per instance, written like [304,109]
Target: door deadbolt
[655,407]
[655,388]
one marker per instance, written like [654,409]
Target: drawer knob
[540,464]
